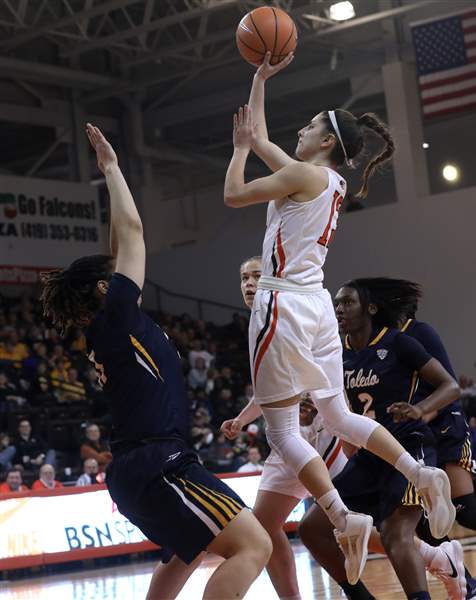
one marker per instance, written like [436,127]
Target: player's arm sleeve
[122,298]
[432,343]
[410,352]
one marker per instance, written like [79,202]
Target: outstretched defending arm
[271,154]
[126,225]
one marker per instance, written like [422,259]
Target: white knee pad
[284,436]
[339,420]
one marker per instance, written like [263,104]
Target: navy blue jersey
[432,343]
[139,367]
[384,372]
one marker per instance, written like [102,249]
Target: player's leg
[397,532]
[272,509]
[432,484]
[462,494]
[282,420]
[168,579]
[246,548]
[317,534]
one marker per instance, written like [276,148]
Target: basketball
[266,28]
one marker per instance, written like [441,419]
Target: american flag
[445,50]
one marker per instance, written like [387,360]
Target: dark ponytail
[351,131]
[69,295]
[371,121]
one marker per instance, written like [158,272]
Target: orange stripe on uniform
[334,455]
[282,256]
[269,337]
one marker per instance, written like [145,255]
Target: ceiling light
[451,173]
[341,11]
[425,145]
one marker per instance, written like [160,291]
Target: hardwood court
[130,582]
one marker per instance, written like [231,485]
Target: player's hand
[231,428]
[106,156]
[266,70]
[402,411]
[243,128]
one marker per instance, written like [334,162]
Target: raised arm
[271,154]
[294,178]
[126,226]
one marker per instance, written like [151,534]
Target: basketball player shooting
[293,335]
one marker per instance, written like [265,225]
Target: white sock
[408,466]
[427,552]
[331,503]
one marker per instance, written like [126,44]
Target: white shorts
[278,477]
[294,345]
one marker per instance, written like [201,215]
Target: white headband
[332,117]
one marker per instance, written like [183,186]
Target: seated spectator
[7,452]
[201,434]
[13,350]
[31,451]
[78,343]
[46,480]
[41,389]
[71,390]
[223,407]
[199,352]
[220,454]
[254,461]
[9,394]
[198,375]
[59,372]
[90,470]
[13,482]
[94,447]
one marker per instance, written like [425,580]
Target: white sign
[45,524]
[45,223]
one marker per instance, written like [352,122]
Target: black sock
[357,591]
[419,596]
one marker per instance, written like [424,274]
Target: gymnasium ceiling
[65,60]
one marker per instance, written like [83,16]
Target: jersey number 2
[326,237]
[367,401]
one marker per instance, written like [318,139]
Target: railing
[198,303]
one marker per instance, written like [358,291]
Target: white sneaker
[433,486]
[353,541]
[448,566]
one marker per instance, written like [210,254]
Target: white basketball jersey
[298,234]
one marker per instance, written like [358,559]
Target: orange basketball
[266,28]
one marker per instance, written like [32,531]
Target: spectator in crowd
[31,451]
[71,390]
[198,375]
[201,433]
[94,447]
[12,351]
[9,394]
[199,352]
[223,406]
[90,471]
[7,452]
[13,482]
[46,479]
[221,454]
[254,461]
[41,389]
[59,372]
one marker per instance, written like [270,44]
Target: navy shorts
[181,507]
[369,485]
[453,439]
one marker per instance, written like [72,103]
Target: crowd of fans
[54,420]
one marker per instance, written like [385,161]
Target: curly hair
[69,296]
